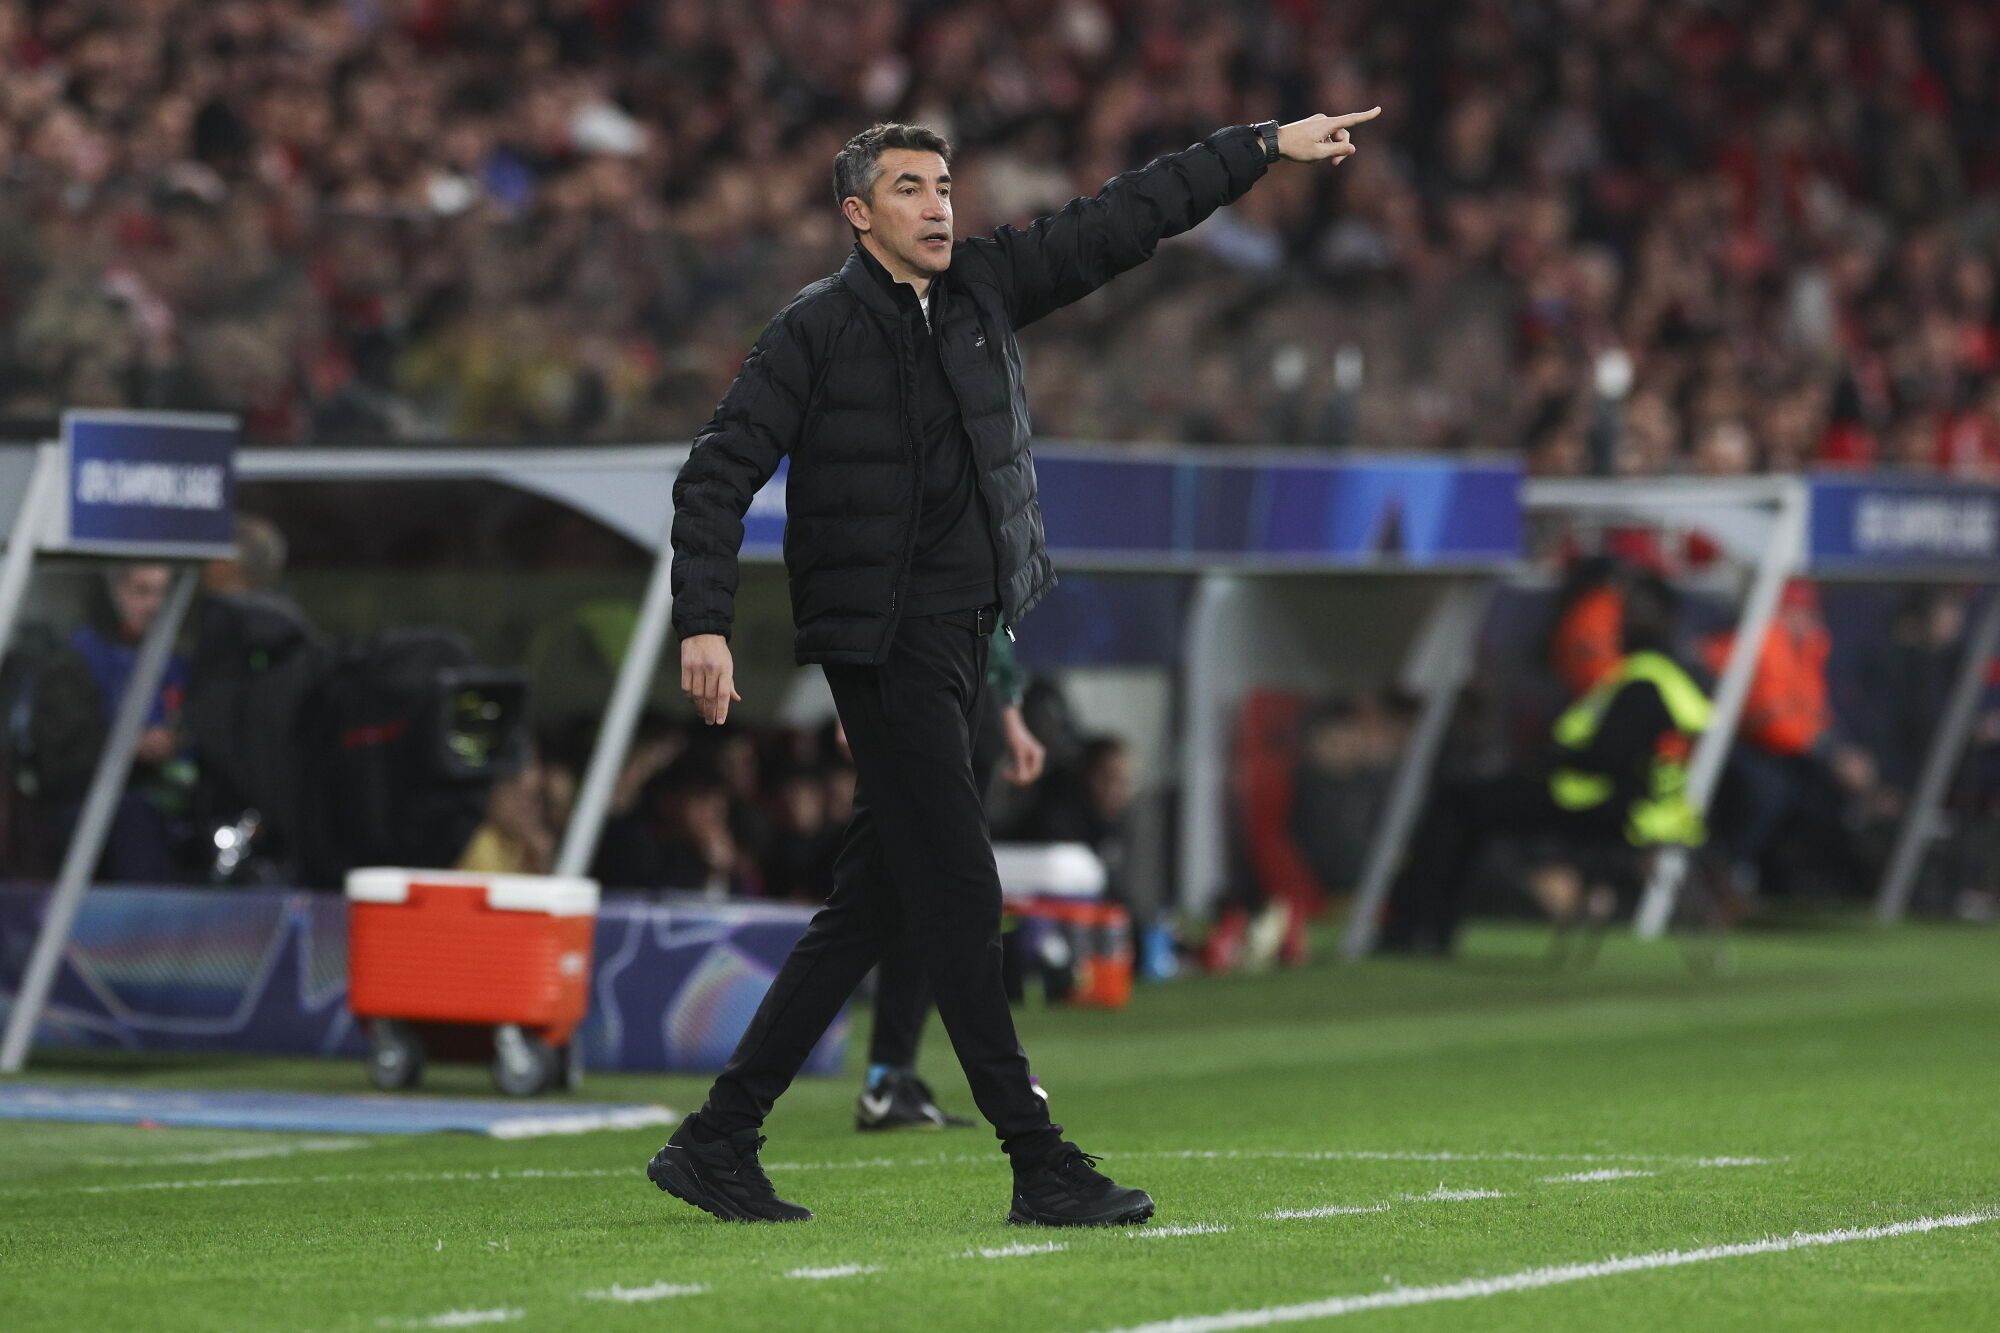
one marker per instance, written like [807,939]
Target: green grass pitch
[1482,1120]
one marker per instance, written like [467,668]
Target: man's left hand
[1321,138]
[1027,754]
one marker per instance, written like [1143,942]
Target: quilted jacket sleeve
[757,424]
[1069,254]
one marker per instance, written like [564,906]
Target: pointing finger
[1356,118]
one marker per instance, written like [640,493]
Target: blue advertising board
[1120,508]
[1888,525]
[149,484]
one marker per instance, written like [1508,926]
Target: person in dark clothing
[896,388]
[145,839]
[1617,772]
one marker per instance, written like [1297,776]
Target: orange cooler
[511,952]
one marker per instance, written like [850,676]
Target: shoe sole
[671,1171]
[1131,1216]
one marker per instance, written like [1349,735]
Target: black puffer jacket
[830,382]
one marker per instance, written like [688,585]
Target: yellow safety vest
[1663,815]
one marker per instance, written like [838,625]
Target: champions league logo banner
[1873,524]
[150,484]
[1275,510]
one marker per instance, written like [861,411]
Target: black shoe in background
[902,1101]
[1065,1189]
[722,1177]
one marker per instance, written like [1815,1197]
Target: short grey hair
[858,166]
[260,552]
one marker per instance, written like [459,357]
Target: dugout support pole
[41,494]
[1921,820]
[1440,663]
[100,804]
[1783,558]
[621,718]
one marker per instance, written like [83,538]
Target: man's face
[138,596]
[909,216]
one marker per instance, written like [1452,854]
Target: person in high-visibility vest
[1616,772]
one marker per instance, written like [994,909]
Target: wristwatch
[1268,131]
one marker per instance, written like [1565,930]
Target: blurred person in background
[798,861]
[1616,775]
[901,566]
[1347,758]
[893,1095]
[146,843]
[1794,776]
[677,836]
[518,836]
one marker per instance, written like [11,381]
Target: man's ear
[856,212]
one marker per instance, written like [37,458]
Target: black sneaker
[902,1101]
[723,1178]
[1065,1189]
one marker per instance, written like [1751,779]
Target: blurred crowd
[1632,236]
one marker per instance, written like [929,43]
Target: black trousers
[917,856]
[902,986]
[1463,817]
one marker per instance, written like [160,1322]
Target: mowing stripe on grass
[1529,1279]
[1595,1177]
[658,1291]
[841,1270]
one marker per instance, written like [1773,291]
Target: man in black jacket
[896,388]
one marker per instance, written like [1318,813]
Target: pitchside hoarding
[1109,507]
[148,484]
[1886,525]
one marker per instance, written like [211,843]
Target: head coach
[896,387]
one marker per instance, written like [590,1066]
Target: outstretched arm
[1077,249]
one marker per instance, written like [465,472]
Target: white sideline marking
[1528,1279]
[1192,1229]
[245,1154]
[822,1274]
[1016,1251]
[456,1319]
[1443,1195]
[1594,1177]
[658,1291]
[1327,1210]
[583,1122]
